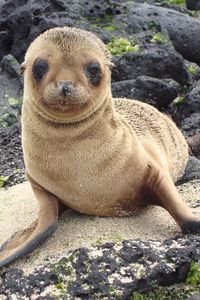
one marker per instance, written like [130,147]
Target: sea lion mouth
[65,104]
[65,98]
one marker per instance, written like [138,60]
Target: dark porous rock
[193,4]
[191,102]
[159,93]
[159,62]
[194,145]
[22,20]
[15,22]
[11,162]
[102,9]
[111,273]
[167,4]
[10,65]
[20,285]
[182,29]
[11,118]
[191,125]
[192,171]
[131,253]
[124,89]
[10,91]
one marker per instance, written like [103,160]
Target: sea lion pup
[97,155]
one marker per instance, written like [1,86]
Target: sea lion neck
[48,126]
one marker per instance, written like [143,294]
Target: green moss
[179,100]
[3,180]
[16,171]
[61,287]
[196,13]
[153,26]
[110,28]
[106,23]
[192,69]
[137,296]
[65,274]
[176,292]
[177,2]
[64,265]
[98,242]
[13,101]
[3,120]
[115,292]
[194,274]
[121,45]
[94,26]
[159,37]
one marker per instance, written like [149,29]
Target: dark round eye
[93,72]
[39,69]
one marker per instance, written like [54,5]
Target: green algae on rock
[122,45]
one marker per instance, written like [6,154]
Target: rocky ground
[109,271]
[155,48]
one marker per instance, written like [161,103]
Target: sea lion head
[67,73]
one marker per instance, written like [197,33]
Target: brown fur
[97,164]
[97,155]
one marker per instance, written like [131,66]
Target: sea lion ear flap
[22,68]
[111,65]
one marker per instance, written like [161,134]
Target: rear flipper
[166,195]
[23,242]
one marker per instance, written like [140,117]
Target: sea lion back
[151,125]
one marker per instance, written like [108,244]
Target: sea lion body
[101,169]
[86,150]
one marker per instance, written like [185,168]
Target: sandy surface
[18,209]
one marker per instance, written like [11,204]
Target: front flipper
[23,242]
[166,195]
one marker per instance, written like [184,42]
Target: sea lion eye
[93,72]
[39,69]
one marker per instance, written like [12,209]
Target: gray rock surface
[158,73]
[181,28]
[109,271]
[192,170]
[159,93]
[191,125]
[22,20]
[193,4]
[191,101]
[157,61]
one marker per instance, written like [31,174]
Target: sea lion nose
[65,87]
